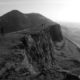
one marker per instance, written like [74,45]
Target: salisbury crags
[34,47]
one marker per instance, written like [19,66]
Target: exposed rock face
[38,55]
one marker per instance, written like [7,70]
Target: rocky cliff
[38,54]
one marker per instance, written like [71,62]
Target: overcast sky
[57,10]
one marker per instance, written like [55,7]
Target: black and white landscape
[33,47]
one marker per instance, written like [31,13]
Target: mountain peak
[14,12]
[13,21]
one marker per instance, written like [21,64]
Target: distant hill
[15,21]
[39,20]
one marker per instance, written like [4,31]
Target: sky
[56,10]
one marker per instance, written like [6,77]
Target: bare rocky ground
[45,54]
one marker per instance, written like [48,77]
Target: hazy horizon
[56,10]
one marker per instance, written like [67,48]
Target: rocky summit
[32,47]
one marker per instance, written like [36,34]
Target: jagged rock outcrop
[38,54]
